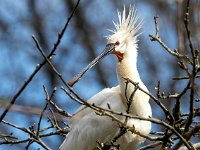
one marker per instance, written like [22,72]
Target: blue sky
[17,61]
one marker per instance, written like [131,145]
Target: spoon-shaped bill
[108,50]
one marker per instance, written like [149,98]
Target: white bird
[87,126]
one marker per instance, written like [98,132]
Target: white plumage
[87,126]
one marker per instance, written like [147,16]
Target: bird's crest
[127,26]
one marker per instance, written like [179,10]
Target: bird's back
[88,127]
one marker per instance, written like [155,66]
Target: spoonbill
[86,126]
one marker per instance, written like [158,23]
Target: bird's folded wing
[102,99]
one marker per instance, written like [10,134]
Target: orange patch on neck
[119,55]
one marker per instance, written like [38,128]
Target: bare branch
[39,66]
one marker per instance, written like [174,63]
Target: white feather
[87,126]
[127,26]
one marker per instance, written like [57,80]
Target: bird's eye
[117,43]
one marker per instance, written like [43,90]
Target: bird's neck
[127,68]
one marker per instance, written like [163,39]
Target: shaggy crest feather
[127,26]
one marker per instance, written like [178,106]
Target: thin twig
[42,113]
[184,78]
[167,113]
[60,111]
[156,26]
[174,53]
[30,110]
[39,66]
[158,39]
[192,77]
[107,112]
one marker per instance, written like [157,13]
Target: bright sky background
[21,63]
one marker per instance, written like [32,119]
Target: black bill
[108,50]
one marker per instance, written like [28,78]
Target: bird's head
[125,33]
[123,39]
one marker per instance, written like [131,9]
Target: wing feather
[87,126]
